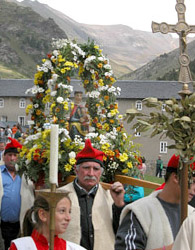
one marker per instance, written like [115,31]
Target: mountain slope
[161,66]
[126,48]
[25,38]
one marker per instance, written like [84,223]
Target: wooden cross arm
[125,180]
[136,182]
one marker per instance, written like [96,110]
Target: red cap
[90,154]
[192,166]
[12,146]
[173,162]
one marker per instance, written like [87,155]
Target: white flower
[41,90]
[72,154]
[54,77]
[109,74]
[34,90]
[88,60]
[50,83]
[53,93]
[101,58]
[93,94]
[64,86]
[59,99]
[55,53]
[47,64]
[36,105]
[111,89]
[91,135]
[107,66]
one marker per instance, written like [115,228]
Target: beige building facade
[14,100]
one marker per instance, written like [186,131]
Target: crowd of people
[89,217]
[14,132]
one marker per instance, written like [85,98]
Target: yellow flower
[106,126]
[60,59]
[72,161]
[29,106]
[72,105]
[53,105]
[114,112]
[129,164]
[68,167]
[67,68]
[123,157]
[63,71]
[23,152]
[45,133]
[66,107]
[96,47]
[67,63]
[112,79]
[81,70]
[86,81]
[29,155]
[38,112]
[125,171]
[101,82]
[105,146]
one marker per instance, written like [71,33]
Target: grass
[155,179]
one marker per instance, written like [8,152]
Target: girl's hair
[31,219]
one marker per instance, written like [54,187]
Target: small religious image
[79,119]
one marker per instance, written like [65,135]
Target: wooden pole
[52,219]
[184,191]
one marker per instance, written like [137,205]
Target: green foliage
[176,123]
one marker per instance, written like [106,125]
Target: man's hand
[117,192]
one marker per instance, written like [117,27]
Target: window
[22,103]
[163,107]
[1,103]
[21,120]
[137,134]
[3,118]
[138,105]
[163,147]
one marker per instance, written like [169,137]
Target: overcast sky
[138,14]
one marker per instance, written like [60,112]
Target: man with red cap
[153,222]
[185,237]
[12,188]
[95,212]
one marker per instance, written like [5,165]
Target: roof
[130,89]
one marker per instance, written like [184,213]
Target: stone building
[13,102]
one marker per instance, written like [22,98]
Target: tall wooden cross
[182,29]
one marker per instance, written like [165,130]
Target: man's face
[2,146]
[88,174]
[191,190]
[10,160]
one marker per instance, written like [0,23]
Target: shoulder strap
[25,243]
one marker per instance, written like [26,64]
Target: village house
[14,100]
